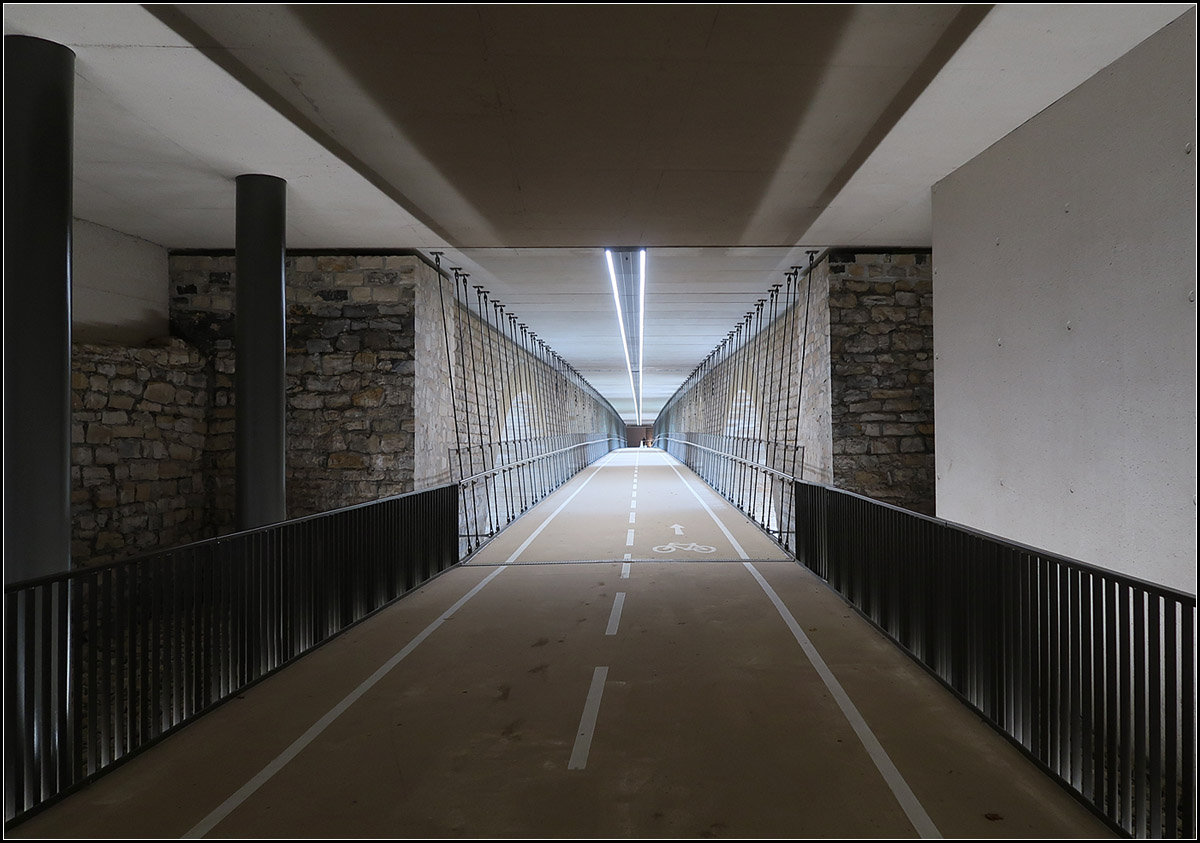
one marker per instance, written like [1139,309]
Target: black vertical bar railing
[1090,672]
[102,662]
[713,466]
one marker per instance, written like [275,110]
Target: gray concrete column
[260,383]
[39,89]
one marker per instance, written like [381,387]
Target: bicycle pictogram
[674,546]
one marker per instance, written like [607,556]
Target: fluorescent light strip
[612,276]
[641,336]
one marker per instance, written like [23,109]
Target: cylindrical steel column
[261,386]
[39,88]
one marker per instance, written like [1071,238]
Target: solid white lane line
[741,553]
[561,507]
[614,618]
[247,790]
[629,538]
[587,723]
[633,518]
[903,793]
[625,569]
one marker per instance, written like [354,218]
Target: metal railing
[1090,672]
[492,499]
[102,662]
[765,494]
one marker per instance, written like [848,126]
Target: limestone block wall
[840,365]
[388,372]
[511,400]
[434,437]
[350,373]
[139,435]
[881,359]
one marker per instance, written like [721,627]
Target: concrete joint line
[248,789]
[909,803]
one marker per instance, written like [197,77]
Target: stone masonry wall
[350,373]
[775,388]
[434,440]
[881,354]
[854,389]
[139,432]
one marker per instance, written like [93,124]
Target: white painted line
[561,507]
[633,504]
[264,775]
[633,518]
[903,793]
[614,618]
[629,538]
[741,553]
[587,723]
[628,556]
[635,494]
[625,569]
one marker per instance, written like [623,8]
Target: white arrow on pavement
[678,528]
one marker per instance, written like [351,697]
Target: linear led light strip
[612,276]
[641,335]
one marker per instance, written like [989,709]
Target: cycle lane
[636,504]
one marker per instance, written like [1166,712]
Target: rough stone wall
[775,388]
[139,433]
[370,409]
[809,426]
[854,388]
[350,373]
[350,364]
[434,440]
[881,353]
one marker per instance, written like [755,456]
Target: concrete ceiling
[525,139]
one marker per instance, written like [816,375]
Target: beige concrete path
[639,504]
[733,699]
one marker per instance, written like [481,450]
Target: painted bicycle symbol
[674,546]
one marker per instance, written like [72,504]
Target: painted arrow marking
[678,528]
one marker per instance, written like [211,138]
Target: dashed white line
[629,538]
[628,556]
[614,618]
[625,569]
[633,504]
[635,494]
[587,723]
[633,518]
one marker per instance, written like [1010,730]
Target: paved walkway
[739,698]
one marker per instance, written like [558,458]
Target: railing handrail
[1128,579]
[47,579]
[510,465]
[765,468]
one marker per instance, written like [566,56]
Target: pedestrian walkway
[622,696]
